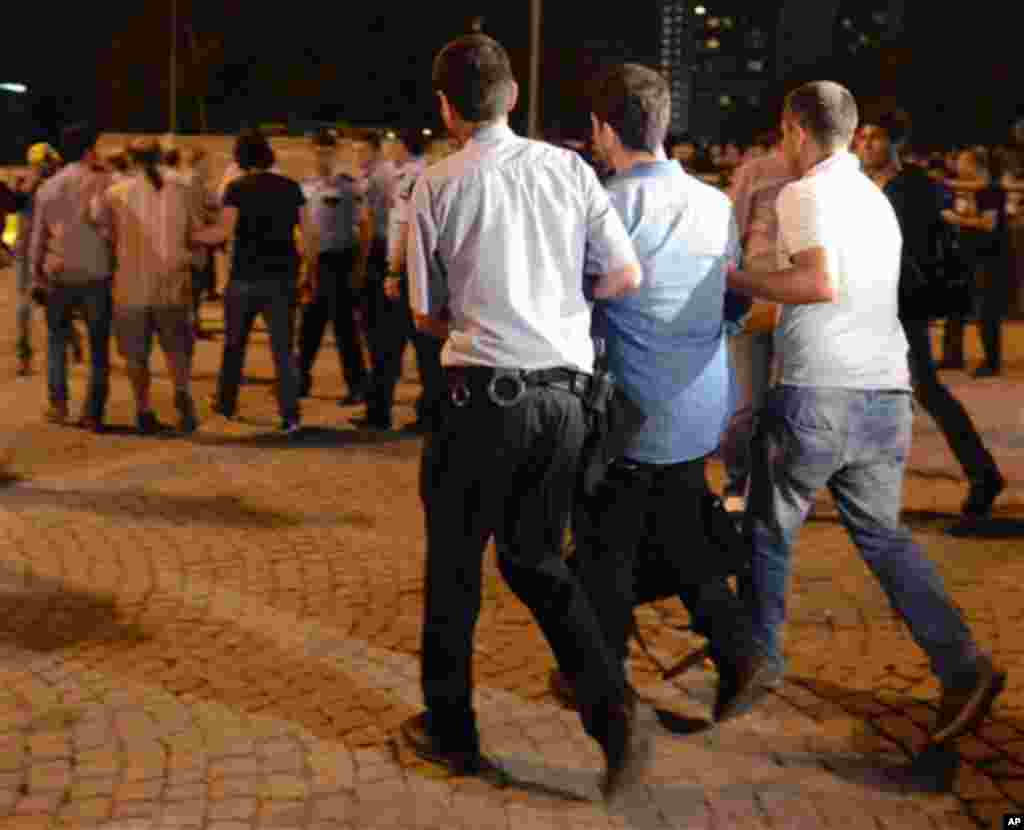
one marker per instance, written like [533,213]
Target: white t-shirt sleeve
[802,227]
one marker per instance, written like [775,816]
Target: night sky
[108,60]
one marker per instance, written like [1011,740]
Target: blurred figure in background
[204,274]
[43,161]
[149,219]
[979,216]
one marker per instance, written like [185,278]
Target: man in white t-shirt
[840,416]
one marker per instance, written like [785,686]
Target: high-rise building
[719,58]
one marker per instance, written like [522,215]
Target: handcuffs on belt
[460,394]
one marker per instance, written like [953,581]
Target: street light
[17,89]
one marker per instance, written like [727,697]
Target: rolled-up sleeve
[608,246]
[427,287]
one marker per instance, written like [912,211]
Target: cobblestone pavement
[221,633]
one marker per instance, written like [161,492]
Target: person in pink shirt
[755,188]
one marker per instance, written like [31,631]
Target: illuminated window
[755,66]
[727,22]
[847,23]
[725,100]
[714,22]
[700,11]
[712,43]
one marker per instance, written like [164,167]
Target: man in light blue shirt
[666,348]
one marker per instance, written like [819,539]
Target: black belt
[507,387]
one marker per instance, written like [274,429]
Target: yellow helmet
[42,153]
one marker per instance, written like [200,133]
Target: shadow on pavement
[217,511]
[42,614]
[994,528]
[311,438]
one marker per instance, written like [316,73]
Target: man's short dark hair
[475,75]
[172,157]
[826,110]
[897,126]
[77,140]
[637,104]
[414,140]
[252,151]
[766,139]
[324,137]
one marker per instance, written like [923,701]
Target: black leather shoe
[987,372]
[741,684]
[417,735]
[147,424]
[983,494]
[625,755]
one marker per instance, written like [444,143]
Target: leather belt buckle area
[506,388]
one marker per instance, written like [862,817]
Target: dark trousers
[943,407]
[243,300]
[992,282]
[645,535]
[93,301]
[507,473]
[391,328]
[202,283]
[336,302]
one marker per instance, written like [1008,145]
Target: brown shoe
[57,413]
[91,424]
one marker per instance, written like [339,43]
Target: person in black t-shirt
[917,205]
[979,214]
[261,212]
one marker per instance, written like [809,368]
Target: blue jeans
[244,300]
[23,314]
[855,442]
[95,302]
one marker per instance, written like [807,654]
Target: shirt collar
[493,133]
[841,160]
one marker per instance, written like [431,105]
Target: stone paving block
[27,822]
[192,791]
[282,814]
[229,825]
[138,790]
[224,788]
[92,811]
[101,763]
[49,746]
[92,787]
[234,809]
[55,775]
[35,804]
[232,767]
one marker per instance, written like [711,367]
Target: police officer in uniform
[502,234]
[337,234]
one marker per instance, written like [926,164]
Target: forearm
[799,285]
